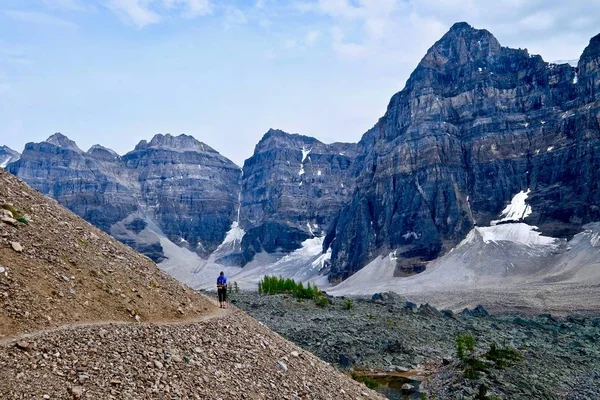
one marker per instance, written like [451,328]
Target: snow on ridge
[234,235]
[517,210]
[520,233]
[4,163]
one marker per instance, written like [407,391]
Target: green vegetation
[236,288]
[473,366]
[348,304]
[425,397]
[503,356]
[321,301]
[369,382]
[465,343]
[23,220]
[12,210]
[273,285]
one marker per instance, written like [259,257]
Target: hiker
[222,289]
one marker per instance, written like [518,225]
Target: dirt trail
[99,324]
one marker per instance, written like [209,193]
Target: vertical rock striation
[476,124]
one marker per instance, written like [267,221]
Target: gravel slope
[227,357]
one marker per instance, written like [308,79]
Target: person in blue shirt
[222,289]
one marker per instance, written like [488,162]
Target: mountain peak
[100,151]
[60,140]
[279,138]
[8,155]
[179,143]
[461,45]
[593,48]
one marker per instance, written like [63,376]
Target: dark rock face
[294,184]
[8,155]
[191,188]
[476,124]
[271,237]
[101,192]
[184,187]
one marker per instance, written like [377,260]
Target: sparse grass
[503,356]
[348,304]
[370,383]
[12,210]
[321,301]
[473,366]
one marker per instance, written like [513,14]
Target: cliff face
[174,186]
[8,155]
[292,187]
[190,190]
[476,124]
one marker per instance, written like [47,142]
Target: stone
[295,354]
[16,246]
[23,345]
[282,365]
[2,269]
[158,364]
[9,220]
[77,392]
[407,387]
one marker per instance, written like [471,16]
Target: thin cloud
[68,5]
[147,12]
[40,19]
[233,17]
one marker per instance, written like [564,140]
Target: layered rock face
[292,187]
[8,155]
[189,188]
[476,124]
[99,190]
[174,186]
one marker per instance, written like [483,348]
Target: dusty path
[105,324]
[223,355]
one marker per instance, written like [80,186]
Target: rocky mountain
[476,124]
[84,317]
[8,155]
[292,187]
[172,186]
[477,127]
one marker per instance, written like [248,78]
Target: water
[390,384]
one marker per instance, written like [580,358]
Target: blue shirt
[221,281]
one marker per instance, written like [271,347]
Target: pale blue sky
[115,72]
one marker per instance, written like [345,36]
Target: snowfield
[509,265]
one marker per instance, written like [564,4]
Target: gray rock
[186,187]
[475,124]
[16,246]
[7,156]
[282,365]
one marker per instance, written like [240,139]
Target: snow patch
[550,148]
[517,210]
[319,172]
[234,236]
[305,153]
[408,235]
[517,233]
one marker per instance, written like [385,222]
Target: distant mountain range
[475,125]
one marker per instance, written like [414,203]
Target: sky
[115,72]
